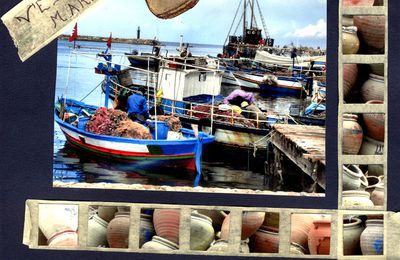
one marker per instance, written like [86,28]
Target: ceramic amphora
[353,198]
[201,231]
[375,123]
[350,41]
[265,240]
[301,225]
[160,244]
[251,222]
[106,212]
[378,195]
[371,31]
[166,223]
[353,177]
[97,232]
[352,229]
[352,134]
[118,230]
[373,88]
[64,239]
[350,74]
[146,229]
[319,238]
[371,239]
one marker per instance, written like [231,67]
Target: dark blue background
[26,143]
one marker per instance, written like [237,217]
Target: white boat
[304,61]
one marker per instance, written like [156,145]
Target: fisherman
[310,78]
[237,96]
[137,106]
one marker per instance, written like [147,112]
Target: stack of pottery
[352,134]
[352,229]
[146,229]
[97,232]
[265,240]
[350,74]
[358,2]
[59,224]
[371,31]
[353,178]
[201,231]
[352,198]
[371,240]
[350,41]
[166,223]
[319,237]
[118,230]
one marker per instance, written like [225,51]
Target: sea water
[76,78]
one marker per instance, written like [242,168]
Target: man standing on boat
[137,106]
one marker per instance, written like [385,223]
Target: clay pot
[57,218]
[64,239]
[271,220]
[217,217]
[373,88]
[350,41]
[372,182]
[222,246]
[375,123]
[118,230]
[358,2]
[146,229]
[106,212]
[166,224]
[352,229]
[372,147]
[352,134]
[159,243]
[352,177]
[371,239]
[378,195]
[371,31]
[301,225]
[265,240]
[350,74]
[251,222]
[319,238]
[201,231]
[377,69]
[97,232]
[353,198]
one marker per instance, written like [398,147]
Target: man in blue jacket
[137,106]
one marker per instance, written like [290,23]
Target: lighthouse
[138,32]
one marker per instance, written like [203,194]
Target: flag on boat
[109,41]
[74,34]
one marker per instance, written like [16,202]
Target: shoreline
[115,40]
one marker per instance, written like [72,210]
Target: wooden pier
[305,146]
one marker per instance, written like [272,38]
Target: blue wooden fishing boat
[184,149]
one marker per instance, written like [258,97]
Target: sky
[302,22]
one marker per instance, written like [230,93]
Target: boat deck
[305,146]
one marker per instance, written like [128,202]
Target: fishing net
[174,124]
[202,111]
[130,129]
[115,122]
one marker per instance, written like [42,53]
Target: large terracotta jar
[146,229]
[106,212]
[251,222]
[353,177]
[350,74]
[67,238]
[265,240]
[160,244]
[353,198]
[371,30]
[378,195]
[352,229]
[319,238]
[358,2]
[301,225]
[118,230]
[350,41]
[166,223]
[371,240]
[375,123]
[201,231]
[352,134]
[373,88]
[97,232]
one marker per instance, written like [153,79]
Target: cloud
[317,30]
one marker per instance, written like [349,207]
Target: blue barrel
[162,130]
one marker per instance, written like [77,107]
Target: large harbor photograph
[229,97]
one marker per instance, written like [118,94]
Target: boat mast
[244,19]
[252,14]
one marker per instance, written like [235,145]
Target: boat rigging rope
[66,84]
[262,20]
[92,90]
[229,32]
[268,137]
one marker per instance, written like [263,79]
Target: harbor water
[76,78]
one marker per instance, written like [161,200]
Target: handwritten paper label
[35,23]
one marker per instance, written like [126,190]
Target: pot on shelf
[201,231]
[166,223]
[160,244]
[350,74]
[353,177]
[378,195]
[97,232]
[352,229]
[319,237]
[371,239]
[301,225]
[350,41]
[352,198]
[371,31]
[146,229]
[375,123]
[106,212]
[265,240]
[118,230]
[352,134]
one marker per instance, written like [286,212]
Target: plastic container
[162,130]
